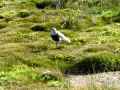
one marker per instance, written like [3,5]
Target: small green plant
[51,79]
[48,77]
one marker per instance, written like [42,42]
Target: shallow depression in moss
[96,63]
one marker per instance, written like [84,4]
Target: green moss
[26,48]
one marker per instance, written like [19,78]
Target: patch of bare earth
[106,79]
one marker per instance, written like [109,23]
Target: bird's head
[53,31]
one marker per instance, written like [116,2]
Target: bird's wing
[63,37]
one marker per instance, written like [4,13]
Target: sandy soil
[109,79]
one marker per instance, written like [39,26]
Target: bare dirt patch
[106,79]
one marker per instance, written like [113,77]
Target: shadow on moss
[100,62]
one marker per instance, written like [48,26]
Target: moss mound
[100,62]
[38,27]
[3,25]
[45,4]
[23,14]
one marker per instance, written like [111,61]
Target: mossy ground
[27,50]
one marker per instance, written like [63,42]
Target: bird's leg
[58,44]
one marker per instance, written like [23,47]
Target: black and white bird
[59,37]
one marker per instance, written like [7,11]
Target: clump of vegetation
[50,4]
[99,62]
[1,17]
[21,73]
[65,61]
[44,4]
[3,25]
[52,79]
[48,77]
[111,16]
[38,27]
[23,14]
